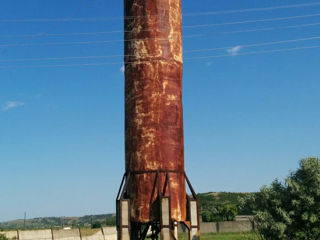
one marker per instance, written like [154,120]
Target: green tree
[96,224]
[229,212]
[290,210]
[111,221]
[213,211]
[3,237]
[206,216]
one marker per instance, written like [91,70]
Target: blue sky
[248,118]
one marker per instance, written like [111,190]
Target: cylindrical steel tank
[153,106]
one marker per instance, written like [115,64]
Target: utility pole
[24,221]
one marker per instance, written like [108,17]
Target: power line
[255,44]
[186,27]
[255,52]
[272,28]
[57,43]
[88,19]
[252,21]
[41,34]
[91,3]
[251,9]
[186,51]
[189,58]
[59,34]
[62,58]
[61,65]
[146,16]
[68,19]
[89,42]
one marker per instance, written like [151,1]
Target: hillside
[59,222]
[209,202]
[223,197]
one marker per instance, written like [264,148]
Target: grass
[224,236]
[85,232]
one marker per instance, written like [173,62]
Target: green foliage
[96,224]
[222,206]
[206,216]
[3,237]
[229,212]
[290,210]
[213,209]
[59,222]
[111,221]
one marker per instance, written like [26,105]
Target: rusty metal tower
[152,198]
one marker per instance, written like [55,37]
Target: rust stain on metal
[153,102]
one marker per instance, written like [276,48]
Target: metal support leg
[163,225]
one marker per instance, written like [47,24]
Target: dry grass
[88,231]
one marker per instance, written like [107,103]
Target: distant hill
[224,197]
[60,222]
[206,200]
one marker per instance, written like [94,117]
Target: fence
[227,227]
[110,233]
[106,233]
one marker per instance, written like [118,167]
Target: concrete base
[123,216]
[194,230]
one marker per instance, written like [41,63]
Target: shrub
[96,224]
[290,210]
[3,237]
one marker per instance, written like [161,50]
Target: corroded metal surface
[153,102]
